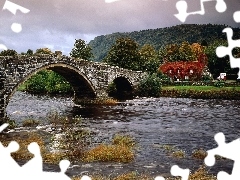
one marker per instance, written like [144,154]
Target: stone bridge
[88,79]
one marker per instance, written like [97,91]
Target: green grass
[199,88]
[22,87]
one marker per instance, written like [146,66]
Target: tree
[9,52]
[29,52]
[43,51]
[149,59]
[81,50]
[172,52]
[148,52]
[125,54]
[197,50]
[218,65]
[186,52]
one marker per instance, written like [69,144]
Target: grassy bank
[201,92]
[201,88]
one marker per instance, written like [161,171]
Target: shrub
[165,80]
[150,86]
[120,150]
[47,82]
[199,154]
[12,124]
[219,84]
[178,154]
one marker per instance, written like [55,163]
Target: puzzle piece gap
[227,150]
[236,17]
[16,27]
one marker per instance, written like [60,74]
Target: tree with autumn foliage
[43,51]
[182,52]
[186,52]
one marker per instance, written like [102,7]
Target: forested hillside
[162,36]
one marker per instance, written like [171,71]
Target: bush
[219,84]
[150,86]
[47,82]
[195,94]
[165,80]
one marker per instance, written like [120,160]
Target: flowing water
[186,124]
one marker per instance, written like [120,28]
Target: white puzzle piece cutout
[226,150]
[236,16]
[177,171]
[10,169]
[222,51]
[111,1]
[12,7]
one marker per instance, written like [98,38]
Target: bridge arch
[123,88]
[81,85]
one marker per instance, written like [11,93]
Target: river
[186,124]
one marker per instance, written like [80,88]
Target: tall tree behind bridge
[125,54]
[81,50]
[149,59]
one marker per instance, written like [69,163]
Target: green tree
[81,50]
[9,52]
[29,52]
[218,65]
[125,54]
[149,59]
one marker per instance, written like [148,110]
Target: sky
[56,24]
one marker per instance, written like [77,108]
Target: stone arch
[124,88]
[81,85]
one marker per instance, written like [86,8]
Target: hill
[162,36]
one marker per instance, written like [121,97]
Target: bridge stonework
[88,79]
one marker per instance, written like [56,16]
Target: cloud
[57,23]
